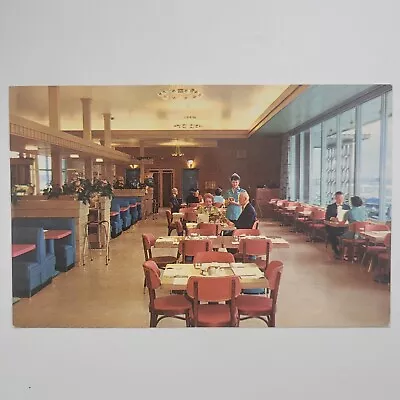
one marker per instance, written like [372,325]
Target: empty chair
[370,250]
[214,290]
[148,243]
[190,216]
[383,262]
[316,225]
[211,229]
[213,256]
[170,224]
[262,307]
[189,248]
[252,250]
[172,306]
[256,224]
[247,232]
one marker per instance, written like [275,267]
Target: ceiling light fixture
[99,160]
[31,147]
[179,93]
[74,155]
[188,126]
[177,152]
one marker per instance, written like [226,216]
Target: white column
[54,107]
[87,118]
[87,133]
[141,153]
[54,122]
[107,129]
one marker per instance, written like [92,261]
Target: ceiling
[313,102]
[135,108]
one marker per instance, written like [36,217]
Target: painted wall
[260,166]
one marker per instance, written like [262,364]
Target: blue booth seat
[35,269]
[116,221]
[65,248]
[125,215]
[134,213]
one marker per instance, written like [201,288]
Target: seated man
[248,215]
[193,197]
[333,211]
[175,202]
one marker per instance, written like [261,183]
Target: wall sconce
[190,163]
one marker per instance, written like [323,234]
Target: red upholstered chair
[148,243]
[189,248]
[213,256]
[190,216]
[214,289]
[350,248]
[256,224]
[384,260]
[211,229]
[370,250]
[383,257]
[173,306]
[262,307]
[171,225]
[300,220]
[247,232]
[316,226]
[255,248]
[200,232]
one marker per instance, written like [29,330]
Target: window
[351,152]
[45,172]
[292,162]
[315,164]
[348,144]
[388,161]
[370,155]
[330,127]
[305,166]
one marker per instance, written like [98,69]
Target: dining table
[218,242]
[176,276]
[19,249]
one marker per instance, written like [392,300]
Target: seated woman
[358,213]
[218,198]
[207,207]
[175,202]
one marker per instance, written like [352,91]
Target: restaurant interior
[182,206]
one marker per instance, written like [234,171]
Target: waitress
[233,208]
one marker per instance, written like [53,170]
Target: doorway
[164,180]
[190,179]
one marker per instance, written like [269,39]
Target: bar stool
[102,226]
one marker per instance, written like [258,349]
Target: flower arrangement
[81,188]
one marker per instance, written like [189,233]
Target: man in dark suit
[332,212]
[248,215]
